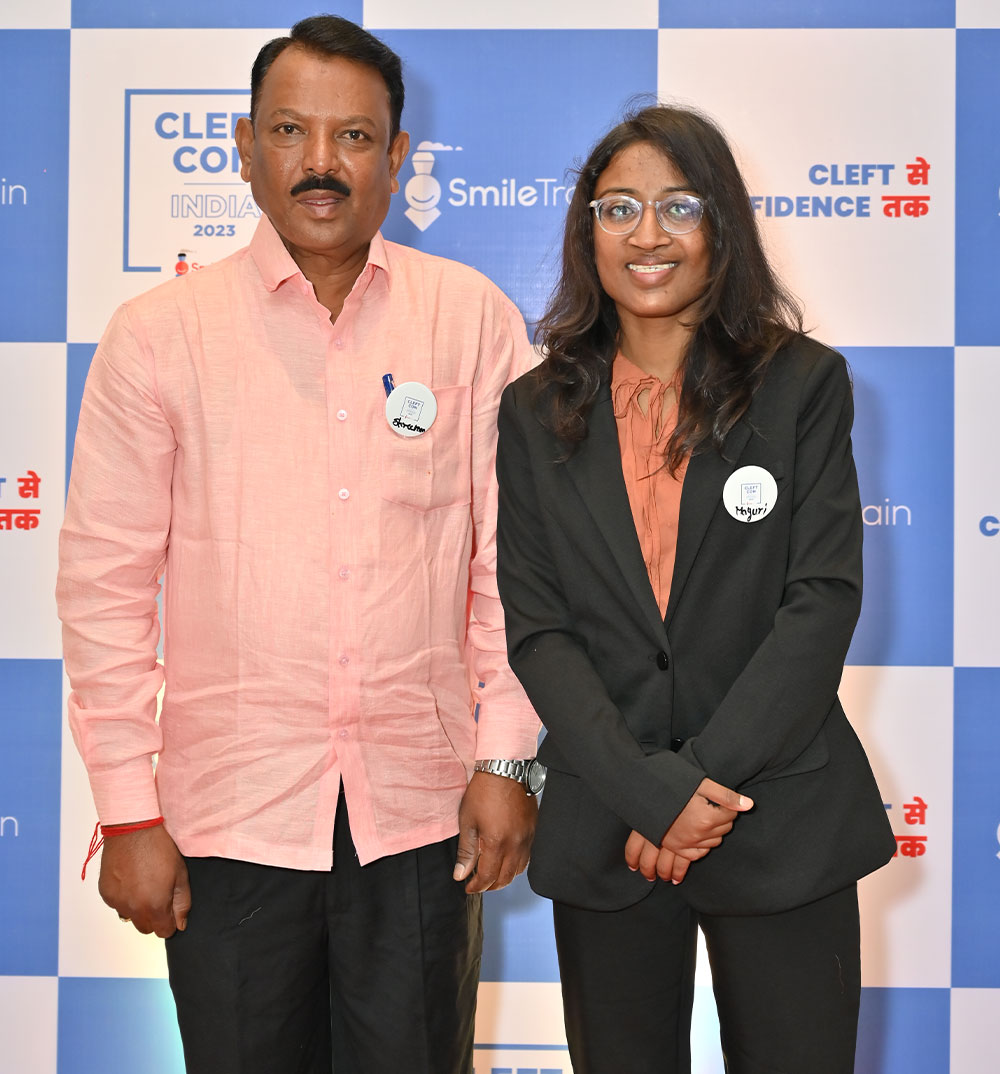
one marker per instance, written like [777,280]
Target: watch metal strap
[516,770]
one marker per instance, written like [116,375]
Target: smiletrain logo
[423,191]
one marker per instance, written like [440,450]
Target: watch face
[534,778]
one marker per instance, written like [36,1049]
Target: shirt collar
[276,264]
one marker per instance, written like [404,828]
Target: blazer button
[662,661]
[676,743]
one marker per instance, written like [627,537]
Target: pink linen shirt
[330,603]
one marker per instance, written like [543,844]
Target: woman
[680,565]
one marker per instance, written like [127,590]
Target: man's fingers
[468,852]
[487,871]
[166,929]
[182,902]
[496,823]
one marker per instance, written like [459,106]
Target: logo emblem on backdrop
[182,185]
[423,191]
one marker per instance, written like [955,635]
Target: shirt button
[338,343]
[343,494]
[345,573]
[342,733]
[344,660]
[341,415]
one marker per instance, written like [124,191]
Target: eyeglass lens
[620,214]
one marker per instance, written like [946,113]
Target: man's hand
[144,879]
[699,827]
[496,823]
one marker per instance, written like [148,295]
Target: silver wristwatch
[531,773]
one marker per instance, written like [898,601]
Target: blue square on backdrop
[30,750]
[904,447]
[496,119]
[977,188]
[78,359]
[904,1031]
[817,13]
[205,14]
[518,943]
[117,1026]
[34,184]
[975,874]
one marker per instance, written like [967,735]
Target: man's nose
[320,157]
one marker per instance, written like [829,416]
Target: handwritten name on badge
[410,409]
[750,493]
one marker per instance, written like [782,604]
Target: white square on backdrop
[977,13]
[173,85]
[35,15]
[975,1014]
[977,507]
[841,106]
[32,442]
[903,716]
[29,1024]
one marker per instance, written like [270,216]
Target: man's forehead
[299,76]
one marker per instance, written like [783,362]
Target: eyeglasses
[619,214]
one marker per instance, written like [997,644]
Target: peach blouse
[646,413]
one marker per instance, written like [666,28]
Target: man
[330,605]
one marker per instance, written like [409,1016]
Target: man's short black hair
[331,35]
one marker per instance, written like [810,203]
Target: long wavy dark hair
[738,324]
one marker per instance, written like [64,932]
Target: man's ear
[397,154]
[244,144]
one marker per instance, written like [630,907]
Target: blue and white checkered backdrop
[869,131]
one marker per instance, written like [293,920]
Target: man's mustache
[321,182]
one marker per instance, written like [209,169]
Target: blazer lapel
[596,470]
[700,499]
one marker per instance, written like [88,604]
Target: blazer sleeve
[646,791]
[776,706]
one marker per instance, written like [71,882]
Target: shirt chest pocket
[434,469]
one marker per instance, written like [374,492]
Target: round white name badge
[749,494]
[411,408]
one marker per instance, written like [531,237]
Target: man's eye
[287,128]
[356,136]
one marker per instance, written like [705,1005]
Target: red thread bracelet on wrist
[121,829]
[101,830]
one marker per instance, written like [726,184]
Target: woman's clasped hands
[700,826]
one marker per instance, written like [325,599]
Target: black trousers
[368,970]
[787,986]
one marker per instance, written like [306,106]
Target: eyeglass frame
[597,202]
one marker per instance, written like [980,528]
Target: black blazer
[739,682]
